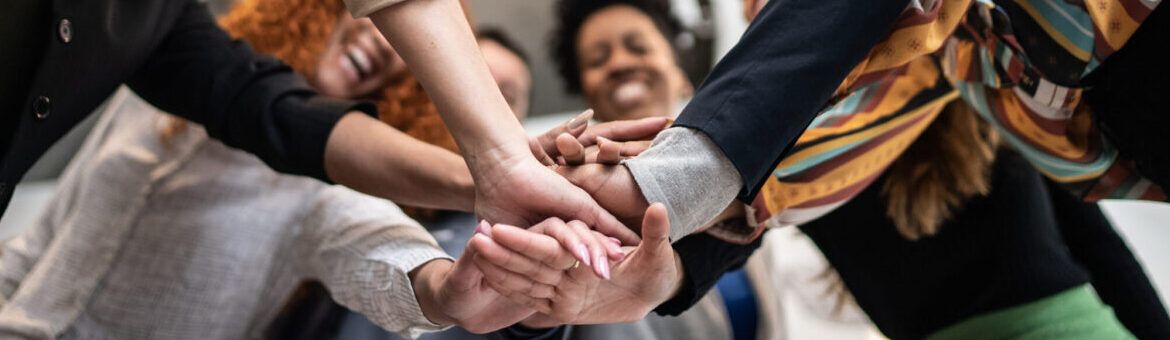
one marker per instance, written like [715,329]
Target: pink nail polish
[484,228]
[603,266]
[582,254]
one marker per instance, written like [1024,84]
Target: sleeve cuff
[688,173]
[407,259]
[312,120]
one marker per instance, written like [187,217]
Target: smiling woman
[618,54]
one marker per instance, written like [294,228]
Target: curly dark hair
[571,14]
[496,34]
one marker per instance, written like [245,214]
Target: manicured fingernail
[580,120]
[484,228]
[603,267]
[582,254]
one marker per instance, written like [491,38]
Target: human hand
[529,268]
[557,146]
[611,186]
[455,293]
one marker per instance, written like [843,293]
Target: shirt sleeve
[704,260]
[362,8]
[768,88]
[363,249]
[685,172]
[244,99]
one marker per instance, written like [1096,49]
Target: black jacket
[174,55]
[763,94]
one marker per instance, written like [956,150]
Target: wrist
[427,281]
[490,159]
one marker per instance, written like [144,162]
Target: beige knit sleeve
[362,8]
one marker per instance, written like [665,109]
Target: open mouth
[359,61]
[630,93]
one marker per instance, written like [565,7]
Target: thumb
[655,230]
[466,276]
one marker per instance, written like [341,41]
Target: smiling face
[628,69]
[358,62]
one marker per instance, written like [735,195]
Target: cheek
[591,81]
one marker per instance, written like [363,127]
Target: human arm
[378,262]
[434,39]
[526,266]
[1114,271]
[255,103]
[756,101]
[665,280]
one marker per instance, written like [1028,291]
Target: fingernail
[580,120]
[582,254]
[603,266]
[616,241]
[484,228]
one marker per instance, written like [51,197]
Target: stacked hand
[523,191]
[534,268]
[561,271]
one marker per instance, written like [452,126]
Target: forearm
[435,40]
[369,156]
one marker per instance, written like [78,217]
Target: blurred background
[712,27]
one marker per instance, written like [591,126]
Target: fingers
[465,276]
[525,263]
[546,142]
[542,156]
[625,130]
[516,288]
[655,230]
[597,248]
[570,149]
[608,152]
[634,148]
[539,247]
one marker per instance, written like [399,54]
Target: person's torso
[93,47]
[177,239]
[998,251]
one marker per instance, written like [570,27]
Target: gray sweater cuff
[689,174]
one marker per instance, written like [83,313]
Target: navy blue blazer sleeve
[761,96]
[704,259]
[246,100]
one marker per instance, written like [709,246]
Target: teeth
[629,92]
[360,60]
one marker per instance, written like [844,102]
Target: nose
[621,60]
